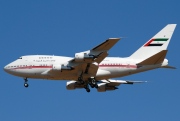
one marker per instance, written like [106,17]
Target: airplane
[92,68]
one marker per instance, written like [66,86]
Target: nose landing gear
[25,82]
[26,85]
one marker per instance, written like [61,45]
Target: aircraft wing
[107,85]
[86,63]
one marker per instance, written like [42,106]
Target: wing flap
[101,57]
[92,70]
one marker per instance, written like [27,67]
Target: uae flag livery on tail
[156,42]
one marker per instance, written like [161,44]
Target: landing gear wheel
[93,81]
[88,90]
[26,85]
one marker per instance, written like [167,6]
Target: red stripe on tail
[149,42]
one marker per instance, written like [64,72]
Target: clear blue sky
[64,27]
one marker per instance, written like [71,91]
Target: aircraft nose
[5,68]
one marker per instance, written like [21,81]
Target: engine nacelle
[103,87]
[59,67]
[83,57]
[71,85]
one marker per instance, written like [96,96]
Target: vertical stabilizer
[156,44]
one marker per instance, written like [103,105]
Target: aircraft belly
[29,73]
[64,75]
[44,74]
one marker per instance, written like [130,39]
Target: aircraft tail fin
[156,46]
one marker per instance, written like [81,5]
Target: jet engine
[61,67]
[71,85]
[79,57]
[103,87]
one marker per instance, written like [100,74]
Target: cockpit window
[20,57]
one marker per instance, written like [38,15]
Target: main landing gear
[25,82]
[87,88]
[91,82]
[81,80]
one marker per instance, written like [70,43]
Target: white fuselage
[37,66]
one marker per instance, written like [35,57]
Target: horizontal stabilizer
[170,67]
[132,82]
[155,59]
